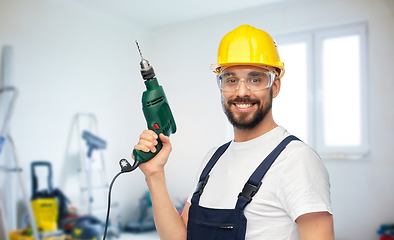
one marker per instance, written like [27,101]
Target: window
[323,97]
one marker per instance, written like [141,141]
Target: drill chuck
[144,64]
[147,71]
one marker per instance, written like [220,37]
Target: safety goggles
[230,80]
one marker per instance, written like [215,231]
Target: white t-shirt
[297,183]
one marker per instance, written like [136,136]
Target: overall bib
[227,224]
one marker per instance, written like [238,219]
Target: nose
[242,89]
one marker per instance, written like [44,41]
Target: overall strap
[205,173]
[254,182]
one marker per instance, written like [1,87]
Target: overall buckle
[201,185]
[249,191]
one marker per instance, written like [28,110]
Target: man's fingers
[141,148]
[146,146]
[164,139]
[148,135]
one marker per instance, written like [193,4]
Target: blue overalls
[227,224]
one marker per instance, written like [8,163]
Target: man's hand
[169,224]
[148,142]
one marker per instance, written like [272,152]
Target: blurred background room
[69,66]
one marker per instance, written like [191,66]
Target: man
[290,198]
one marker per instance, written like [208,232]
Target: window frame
[314,40]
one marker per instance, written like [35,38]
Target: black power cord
[125,167]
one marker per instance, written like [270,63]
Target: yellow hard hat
[247,45]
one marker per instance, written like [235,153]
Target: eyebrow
[251,74]
[255,73]
[229,74]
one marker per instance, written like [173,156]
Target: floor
[153,235]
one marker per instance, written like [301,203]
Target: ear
[276,87]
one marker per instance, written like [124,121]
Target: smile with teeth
[243,106]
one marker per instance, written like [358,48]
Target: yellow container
[22,234]
[45,212]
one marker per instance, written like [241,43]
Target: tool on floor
[49,204]
[85,227]
[44,204]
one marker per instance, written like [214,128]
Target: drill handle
[146,156]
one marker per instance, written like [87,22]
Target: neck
[266,125]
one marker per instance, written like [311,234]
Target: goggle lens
[255,80]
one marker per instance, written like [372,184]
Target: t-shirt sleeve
[304,186]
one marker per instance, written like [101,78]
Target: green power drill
[156,110]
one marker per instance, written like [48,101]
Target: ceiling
[155,13]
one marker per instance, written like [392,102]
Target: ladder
[3,222]
[94,183]
[13,168]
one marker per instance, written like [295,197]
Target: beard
[242,122]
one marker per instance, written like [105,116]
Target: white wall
[70,59]
[362,196]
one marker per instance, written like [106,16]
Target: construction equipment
[44,204]
[86,228]
[93,175]
[3,222]
[156,109]
[10,167]
[93,142]
[15,169]
[158,117]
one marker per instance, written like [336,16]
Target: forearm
[169,224]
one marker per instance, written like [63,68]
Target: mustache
[243,100]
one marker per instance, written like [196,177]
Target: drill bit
[144,63]
[139,50]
